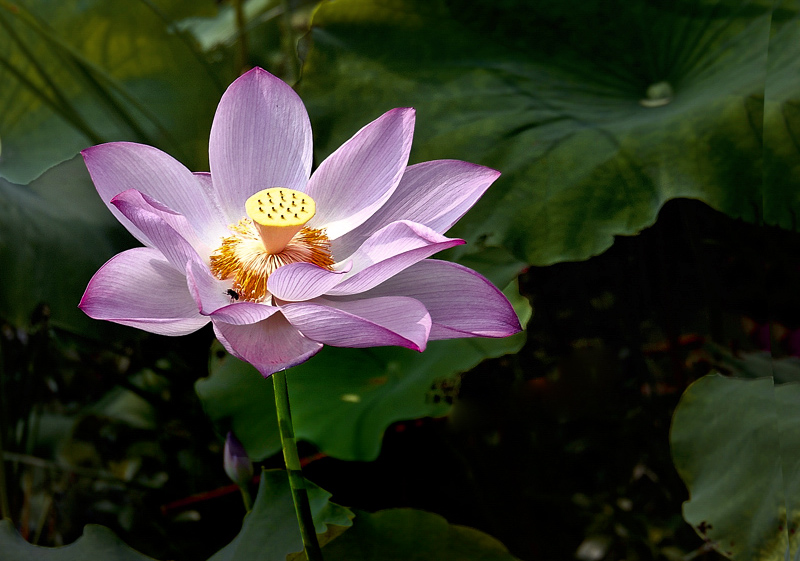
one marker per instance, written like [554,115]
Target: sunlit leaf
[344,399]
[76,73]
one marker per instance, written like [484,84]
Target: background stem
[289,44]
[296,481]
[241,26]
[248,501]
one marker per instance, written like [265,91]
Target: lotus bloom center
[273,235]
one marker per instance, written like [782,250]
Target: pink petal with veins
[270,345]
[140,288]
[356,180]
[374,322]
[261,138]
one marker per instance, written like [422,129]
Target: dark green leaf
[54,235]
[782,127]
[736,445]
[412,535]
[596,112]
[97,542]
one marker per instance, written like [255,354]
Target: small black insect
[232,293]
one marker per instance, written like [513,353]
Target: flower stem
[246,499]
[292,459]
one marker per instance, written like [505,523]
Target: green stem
[289,44]
[292,459]
[248,501]
[241,26]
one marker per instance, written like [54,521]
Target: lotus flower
[281,261]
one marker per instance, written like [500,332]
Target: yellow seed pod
[278,214]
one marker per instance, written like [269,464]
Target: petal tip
[406,113]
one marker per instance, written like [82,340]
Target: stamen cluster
[243,258]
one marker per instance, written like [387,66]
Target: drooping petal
[462,303]
[296,282]
[357,179]
[270,345]
[118,166]
[158,233]
[260,138]
[140,288]
[435,194]
[387,252]
[373,322]
[213,299]
[177,222]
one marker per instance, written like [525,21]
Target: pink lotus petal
[118,166]
[387,252]
[270,345]
[243,313]
[374,322]
[296,282]
[213,299]
[435,194]
[141,289]
[261,137]
[462,303]
[357,179]
[152,223]
[176,221]
[392,249]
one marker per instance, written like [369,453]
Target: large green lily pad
[344,399]
[596,112]
[736,445]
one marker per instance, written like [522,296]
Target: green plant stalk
[292,459]
[241,26]
[246,499]
[289,43]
